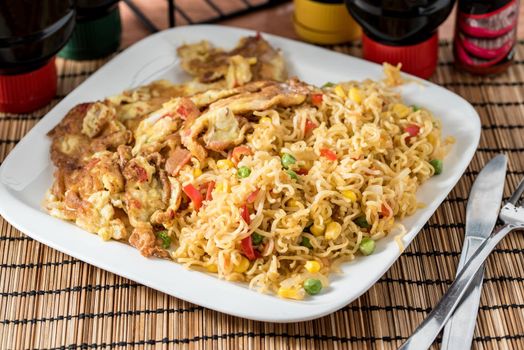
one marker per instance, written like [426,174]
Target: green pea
[362,222]
[367,246]
[415,108]
[164,237]
[243,172]
[312,286]
[437,165]
[292,174]
[287,160]
[256,238]
[306,243]
[328,84]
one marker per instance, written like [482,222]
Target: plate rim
[320,311]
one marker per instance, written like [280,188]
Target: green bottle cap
[94,38]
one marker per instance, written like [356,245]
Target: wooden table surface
[275,20]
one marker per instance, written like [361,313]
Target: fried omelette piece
[252,59]
[223,124]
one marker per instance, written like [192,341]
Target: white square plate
[26,174]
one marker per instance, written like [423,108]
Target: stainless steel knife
[481,215]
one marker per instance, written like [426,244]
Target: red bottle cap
[419,59]
[27,92]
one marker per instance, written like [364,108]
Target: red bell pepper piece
[253,196]
[329,154]
[244,211]
[316,99]
[302,171]
[412,129]
[310,126]
[210,187]
[247,248]
[194,195]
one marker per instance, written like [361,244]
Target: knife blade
[481,215]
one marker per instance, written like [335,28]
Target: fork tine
[517,193]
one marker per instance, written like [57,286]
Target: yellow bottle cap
[324,23]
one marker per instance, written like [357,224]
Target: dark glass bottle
[402,31]
[31,33]
[485,35]
[98,30]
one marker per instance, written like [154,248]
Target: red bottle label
[485,40]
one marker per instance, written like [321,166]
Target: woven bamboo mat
[49,300]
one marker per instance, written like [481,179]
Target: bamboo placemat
[49,300]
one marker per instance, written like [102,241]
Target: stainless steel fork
[513,217]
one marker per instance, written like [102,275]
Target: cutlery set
[457,310]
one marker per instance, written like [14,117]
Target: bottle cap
[419,59]
[26,92]
[94,38]
[324,22]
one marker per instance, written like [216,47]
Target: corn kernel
[212,268]
[432,138]
[339,90]
[348,194]
[355,95]
[266,120]
[225,164]
[401,110]
[197,172]
[293,203]
[317,230]
[333,230]
[290,293]
[242,266]
[312,266]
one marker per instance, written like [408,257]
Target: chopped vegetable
[328,84]
[333,230]
[292,174]
[362,222]
[247,248]
[287,160]
[244,212]
[415,108]
[310,126]
[243,172]
[209,192]
[166,239]
[339,90]
[385,210]
[197,172]
[412,129]
[317,230]
[367,246]
[293,202]
[253,196]
[401,110]
[302,171]
[194,195]
[242,266]
[437,165]
[289,293]
[225,164]
[312,286]
[350,195]
[306,242]
[312,266]
[316,99]
[329,154]
[355,95]
[240,151]
[256,238]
